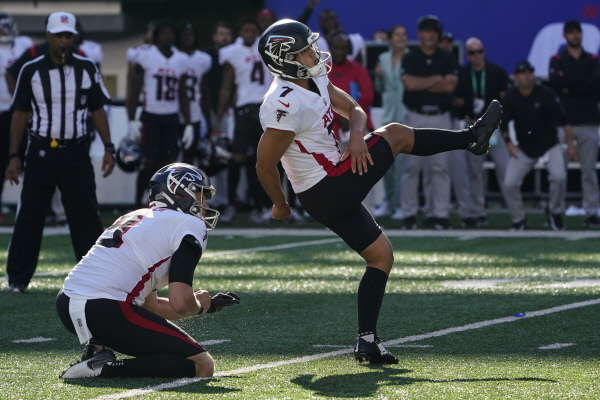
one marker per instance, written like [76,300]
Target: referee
[55,91]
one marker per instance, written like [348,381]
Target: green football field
[483,315]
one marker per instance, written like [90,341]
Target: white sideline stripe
[34,340]
[398,345]
[556,346]
[314,357]
[213,342]
[210,254]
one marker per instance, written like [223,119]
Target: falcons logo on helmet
[179,175]
[278,45]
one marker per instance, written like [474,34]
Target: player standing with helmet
[243,67]
[109,298]
[296,113]
[159,71]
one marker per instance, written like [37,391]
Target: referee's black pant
[70,169]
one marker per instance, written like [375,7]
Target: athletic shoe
[410,223]
[373,352]
[469,222]
[16,288]
[592,222]
[382,210]
[519,226]
[556,222]
[397,214]
[484,127]
[227,216]
[91,348]
[429,222]
[482,221]
[89,368]
[442,224]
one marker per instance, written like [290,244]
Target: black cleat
[484,127]
[91,348]
[89,368]
[373,352]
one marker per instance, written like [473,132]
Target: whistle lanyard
[481,82]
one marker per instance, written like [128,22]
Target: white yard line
[34,340]
[556,346]
[314,357]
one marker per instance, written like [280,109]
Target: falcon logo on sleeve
[281,113]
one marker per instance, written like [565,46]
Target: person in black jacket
[536,111]
[575,76]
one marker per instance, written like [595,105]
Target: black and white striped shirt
[59,96]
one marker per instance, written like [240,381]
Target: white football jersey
[9,53]
[161,79]
[199,63]
[251,75]
[132,52]
[133,257]
[314,152]
[93,51]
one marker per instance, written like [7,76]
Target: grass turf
[298,298]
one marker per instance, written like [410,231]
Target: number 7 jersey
[251,75]
[161,79]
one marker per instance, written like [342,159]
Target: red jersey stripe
[140,285]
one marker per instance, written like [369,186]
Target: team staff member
[479,82]
[429,76]
[109,298]
[575,76]
[537,112]
[56,90]
[332,186]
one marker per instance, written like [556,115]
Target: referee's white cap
[61,21]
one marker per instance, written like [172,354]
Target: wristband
[201,309]
[13,155]
[109,147]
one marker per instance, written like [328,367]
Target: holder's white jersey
[132,52]
[132,258]
[161,79]
[199,63]
[9,53]
[251,75]
[314,151]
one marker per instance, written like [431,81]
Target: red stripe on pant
[138,320]
[328,166]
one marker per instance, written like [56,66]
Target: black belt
[427,112]
[60,143]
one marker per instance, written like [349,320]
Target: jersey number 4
[258,73]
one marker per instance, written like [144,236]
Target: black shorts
[159,136]
[130,329]
[248,130]
[336,201]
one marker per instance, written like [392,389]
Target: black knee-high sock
[429,141]
[370,296]
[152,366]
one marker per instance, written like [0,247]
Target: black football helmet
[215,155]
[8,28]
[130,155]
[175,186]
[280,44]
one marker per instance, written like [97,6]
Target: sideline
[452,233]
[442,332]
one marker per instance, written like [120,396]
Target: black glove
[220,300]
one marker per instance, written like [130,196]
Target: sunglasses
[473,52]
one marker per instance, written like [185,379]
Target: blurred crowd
[200,106]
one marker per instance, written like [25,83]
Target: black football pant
[5,117]
[70,169]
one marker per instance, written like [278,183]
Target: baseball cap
[523,65]
[571,25]
[61,22]
[429,22]
[447,36]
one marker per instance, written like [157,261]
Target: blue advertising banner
[511,30]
